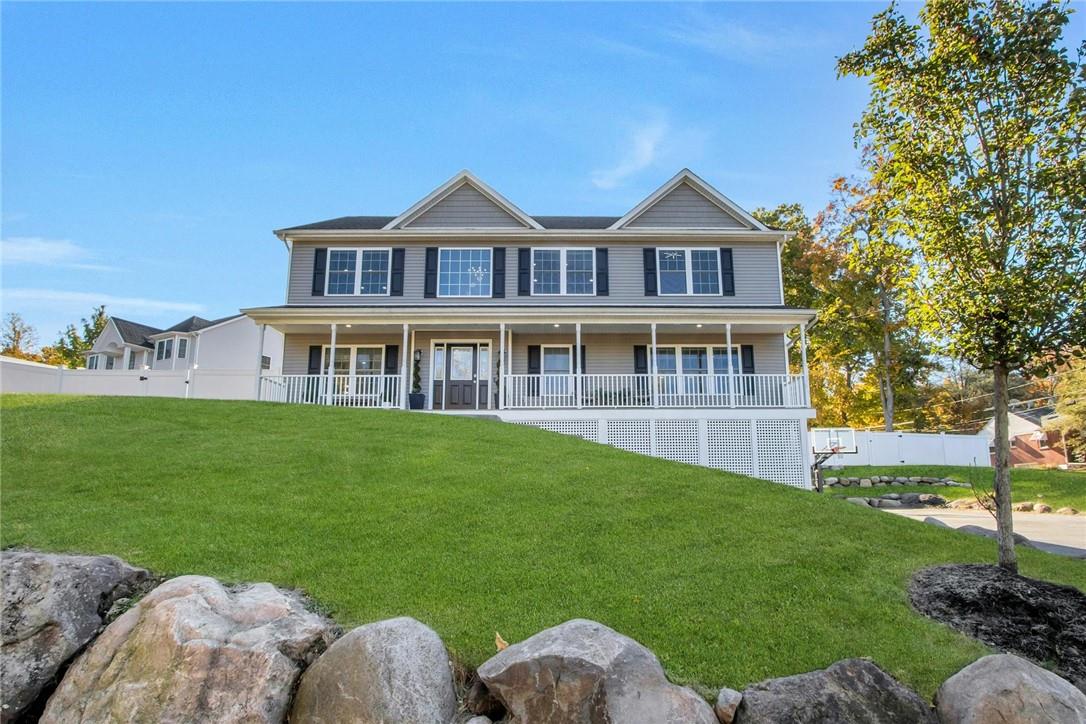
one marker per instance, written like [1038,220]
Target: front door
[461,375]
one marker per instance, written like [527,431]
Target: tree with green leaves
[70,349]
[978,118]
[17,338]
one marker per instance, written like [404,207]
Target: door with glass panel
[461,376]
[695,376]
[667,381]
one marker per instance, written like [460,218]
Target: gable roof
[134,332]
[373,223]
[460,180]
[196,324]
[692,180]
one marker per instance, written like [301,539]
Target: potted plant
[417,400]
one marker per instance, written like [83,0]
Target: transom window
[688,271]
[354,360]
[464,273]
[359,272]
[563,271]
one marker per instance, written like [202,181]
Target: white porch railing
[549,392]
[635,391]
[346,390]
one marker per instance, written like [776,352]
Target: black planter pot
[417,401]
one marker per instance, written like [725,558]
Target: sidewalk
[1064,535]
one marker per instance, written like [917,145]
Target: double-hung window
[464,272]
[164,349]
[358,272]
[131,360]
[110,362]
[92,362]
[182,348]
[563,271]
[688,271]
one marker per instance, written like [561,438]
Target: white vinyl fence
[909,448]
[21,376]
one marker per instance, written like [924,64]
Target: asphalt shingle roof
[134,332]
[366,223]
[195,324]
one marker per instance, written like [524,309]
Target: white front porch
[543,366]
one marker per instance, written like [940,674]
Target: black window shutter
[603,278]
[430,289]
[395,285]
[314,359]
[641,359]
[320,263]
[534,353]
[746,355]
[524,272]
[392,354]
[727,273]
[497,286]
[650,271]
[583,370]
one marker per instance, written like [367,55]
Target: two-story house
[662,331]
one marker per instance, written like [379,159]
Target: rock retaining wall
[195,650]
[876,481]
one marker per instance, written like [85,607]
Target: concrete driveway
[1064,535]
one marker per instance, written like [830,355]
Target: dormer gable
[463,202]
[686,201]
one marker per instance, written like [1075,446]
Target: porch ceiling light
[556,325]
[347,326]
[699,326]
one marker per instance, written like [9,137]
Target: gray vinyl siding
[465,208]
[604,353]
[686,208]
[756,278]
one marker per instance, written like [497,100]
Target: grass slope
[474,526]
[1058,488]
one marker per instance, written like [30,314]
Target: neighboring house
[229,343]
[663,330]
[1031,443]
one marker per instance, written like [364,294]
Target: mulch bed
[1043,622]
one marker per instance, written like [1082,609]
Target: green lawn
[1058,488]
[475,526]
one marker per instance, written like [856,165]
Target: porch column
[577,366]
[501,365]
[803,357]
[125,356]
[652,367]
[411,362]
[173,353]
[731,373]
[403,369]
[331,367]
[259,357]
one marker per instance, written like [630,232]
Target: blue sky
[150,149]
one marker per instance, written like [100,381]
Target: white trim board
[433,198]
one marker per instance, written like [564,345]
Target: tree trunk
[1002,486]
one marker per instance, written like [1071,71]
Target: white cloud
[57,298]
[642,150]
[730,38]
[48,252]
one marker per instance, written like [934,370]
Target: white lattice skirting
[771,449]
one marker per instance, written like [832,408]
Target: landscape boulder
[1042,508]
[727,701]
[858,501]
[853,690]
[1023,507]
[582,671]
[194,650]
[479,700]
[390,671]
[1019,539]
[1067,511]
[53,606]
[1006,688]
